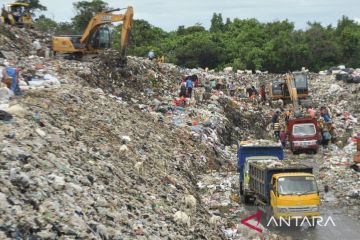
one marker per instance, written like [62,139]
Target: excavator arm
[125,31]
[290,81]
[107,18]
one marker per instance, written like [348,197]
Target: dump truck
[303,134]
[284,189]
[256,150]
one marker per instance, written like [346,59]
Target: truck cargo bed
[262,172]
[257,148]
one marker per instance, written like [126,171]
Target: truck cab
[293,195]
[303,134]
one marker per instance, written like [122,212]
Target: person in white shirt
[36,46]
[3,74]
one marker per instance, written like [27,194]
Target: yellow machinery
[97,35]
[292,204]
[16,14]
[293,87]
[160,59]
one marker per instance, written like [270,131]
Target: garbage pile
[341,99]
[34,73]
[341,73]
[154,88]
[139,80]
[16,42]
[124,179]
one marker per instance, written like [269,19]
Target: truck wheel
[244,199]
[292,148]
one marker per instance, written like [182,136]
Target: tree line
[241,43]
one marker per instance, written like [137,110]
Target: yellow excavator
[97,35]
[293,87]
[16,13]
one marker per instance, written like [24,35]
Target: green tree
[198,50]
[227,24]
[190,30]
[217,24]
[34,5]
[65,28]
[85,10]
[348,39]
[323,51]
[143,37]
[242,43]
[45,24]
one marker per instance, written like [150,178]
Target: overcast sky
[170,14]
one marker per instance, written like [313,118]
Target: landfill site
[98,150]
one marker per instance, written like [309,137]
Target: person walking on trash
[183,90]
[263,94]
[283,136]
[275,117]
[275,123]
[189,87]
[151,55]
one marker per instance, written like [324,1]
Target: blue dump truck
[249,151]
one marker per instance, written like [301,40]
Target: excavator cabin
[293,87]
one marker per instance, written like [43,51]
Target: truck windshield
[296,185]
[304,129]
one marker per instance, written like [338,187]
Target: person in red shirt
[263,94]
[283,138]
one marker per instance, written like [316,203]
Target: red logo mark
[258,217]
